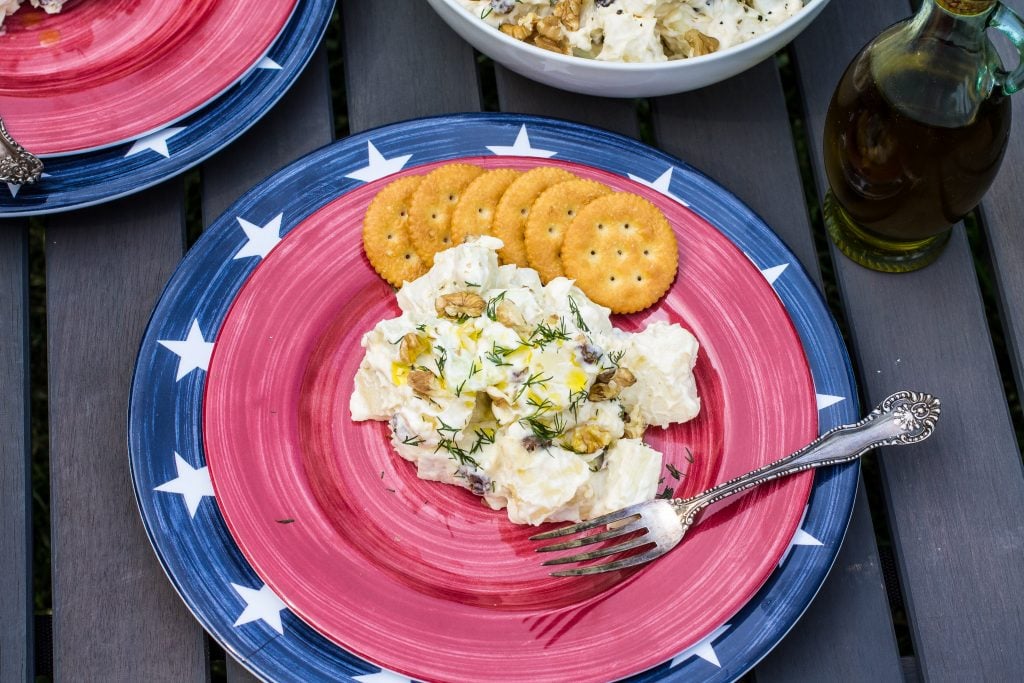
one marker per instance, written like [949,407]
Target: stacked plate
[312,552]
[119,95]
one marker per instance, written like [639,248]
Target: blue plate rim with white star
[172,486]
[74,181]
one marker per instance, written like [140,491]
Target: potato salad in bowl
[521,392]
[634,30]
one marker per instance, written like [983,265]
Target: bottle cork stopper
[966,7]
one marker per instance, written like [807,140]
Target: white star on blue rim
[704,649]
[261,238]
[377,166]
[801,537]
[260,605]
[156,142]
[16,187]
[826,400]
[192,483]
[772,274]
[661,184]
[382,676]
[522,147]
[193,353]
[268,63]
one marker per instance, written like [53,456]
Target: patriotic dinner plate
[82,179]
[314,553]
[100,73]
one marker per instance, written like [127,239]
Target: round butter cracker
[386,239]
[430,213]
[474,214]
[514,209]
[549,219]
[622,252]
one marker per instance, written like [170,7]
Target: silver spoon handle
[17,165]
[903,418]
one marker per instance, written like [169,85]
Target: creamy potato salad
[523,393]
[8,7]
[634,30]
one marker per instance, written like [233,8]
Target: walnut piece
[460,304]
[509,315]
[700,43]
[550,27]
[609,383]
[516,31]
[422,382]
[410,348]
[568,12]
[588,438]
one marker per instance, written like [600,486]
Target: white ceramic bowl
[614,79]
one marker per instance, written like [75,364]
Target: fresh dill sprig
[575,399]
[484,437]
[689,455]
[409,441]
[545,334]
[536,379]
[471,284]
[497,355]
[442,358]
[614,357]
[580,323]
[491,310]
[666,493]
[676,474]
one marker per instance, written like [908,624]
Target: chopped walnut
[516,31]
[588,438]
[700,43]
[410,348]
[634,424]
[609,383]
[422,382]
[568,11]
[460,304]
[550,27]
[509,315]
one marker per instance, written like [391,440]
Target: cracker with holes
[474,214]
[430,214]
[514,209]
[555,209]
[621,251]
[386,237]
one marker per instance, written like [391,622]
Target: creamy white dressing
[509,413]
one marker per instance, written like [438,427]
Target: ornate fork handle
[903,418]
[17,165]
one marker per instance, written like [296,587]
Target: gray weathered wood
[401,62]
[238,673]
[15,483]
[298,124]
[749,149]
[116,616]
[955,503]
[524,96]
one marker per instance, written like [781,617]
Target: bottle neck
[960,22]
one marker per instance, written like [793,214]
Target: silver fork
[905,417]
[17,165]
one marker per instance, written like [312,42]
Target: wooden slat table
[953,507]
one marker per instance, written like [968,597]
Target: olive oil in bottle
[915,134]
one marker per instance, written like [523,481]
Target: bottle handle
[1007,22]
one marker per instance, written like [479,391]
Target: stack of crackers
[617,246]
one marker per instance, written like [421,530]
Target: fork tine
[635,525]
[590,523]
[602,552]
[656,551]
